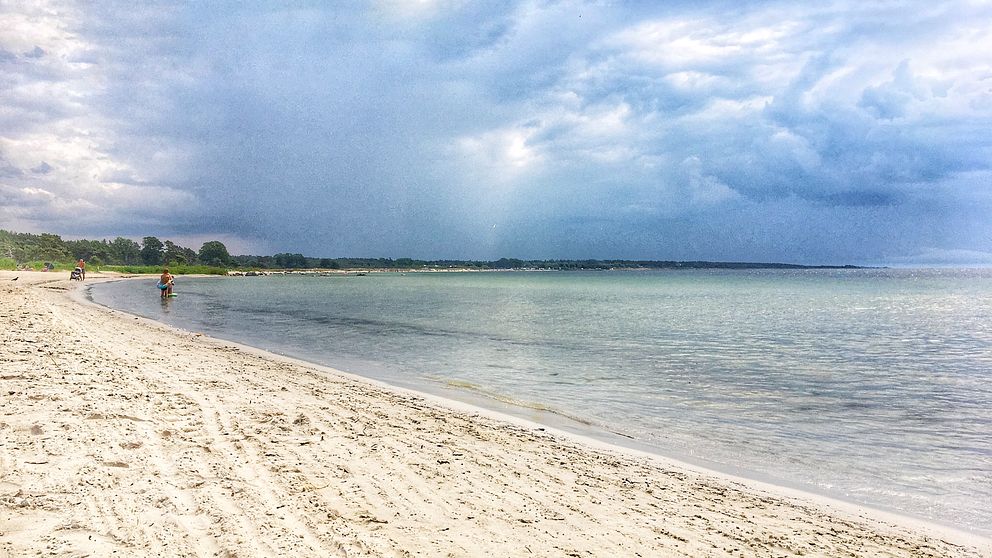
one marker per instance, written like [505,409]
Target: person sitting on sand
[165,283]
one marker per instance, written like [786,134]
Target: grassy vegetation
[173,269]
[7,263]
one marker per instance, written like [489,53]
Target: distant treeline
[299,261]
[25,248]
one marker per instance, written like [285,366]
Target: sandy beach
[122,437]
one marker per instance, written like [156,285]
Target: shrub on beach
[8,264]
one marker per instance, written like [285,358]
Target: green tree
[95,251]
[8,244]
[124,251]
[507,263]
[290,261]
[50,247]
[151,250]
[214,253]
[174,253]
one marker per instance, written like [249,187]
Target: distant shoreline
[569,265]
[514,264]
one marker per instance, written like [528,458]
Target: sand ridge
[122,438]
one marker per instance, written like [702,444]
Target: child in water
[165,283]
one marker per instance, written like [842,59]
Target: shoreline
[531,443]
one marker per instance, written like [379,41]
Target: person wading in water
[165,283]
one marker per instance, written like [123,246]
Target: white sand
[121,437]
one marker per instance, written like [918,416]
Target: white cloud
[675,44]
[606,122]
[66,149]
[505,152]
[797,148]
[702,189]
[692,81]
[704,44]
[722,109]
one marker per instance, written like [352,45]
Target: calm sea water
[874,386]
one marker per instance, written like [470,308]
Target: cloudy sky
[817,132]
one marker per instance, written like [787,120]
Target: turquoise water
[874,386]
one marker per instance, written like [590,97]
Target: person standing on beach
[165,283]
[82,268]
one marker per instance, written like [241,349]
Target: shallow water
[868,385]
